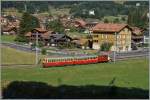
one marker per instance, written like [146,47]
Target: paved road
[131,54]
[119,55]
[18,47]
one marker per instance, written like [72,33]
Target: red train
[50,62]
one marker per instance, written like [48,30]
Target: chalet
[43,35]
[80,23]
[81,43]
[9,25]
[137,36]
[56,39]
[9,30]
[117,34]
[4,21]
[90,23]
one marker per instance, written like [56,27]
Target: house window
[106,36]
[95,36]
[102,36]
[124,36]
[96,41]
[117,36]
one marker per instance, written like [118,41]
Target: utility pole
[36,58]
[25,7]
[115,50]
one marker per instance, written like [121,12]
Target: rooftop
[108,27]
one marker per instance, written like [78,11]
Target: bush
[40,44]
[44,51]
[66,45]
[40,90]
[21,39]
[106,46]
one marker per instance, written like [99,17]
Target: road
[18,47]
[119,55]
[132,54]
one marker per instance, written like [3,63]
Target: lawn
[129,73]
[112,18]
[8,38]
[13,56]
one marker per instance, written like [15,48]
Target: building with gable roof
[117,34]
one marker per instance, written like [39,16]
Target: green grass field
[8,38]
[12,56]
[129,73]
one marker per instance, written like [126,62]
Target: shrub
[106,46]
[44,51]
[66,45]
[40,44]
[21,39]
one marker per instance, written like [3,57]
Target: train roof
[78,57]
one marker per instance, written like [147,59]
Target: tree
[116,20]
[43,51]
[138,17]
[28,22]
[55,25]
[123,18]
[106,20]
[105,46]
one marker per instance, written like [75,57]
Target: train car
[63,61]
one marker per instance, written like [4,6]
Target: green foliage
[73,29]
[96,74]
[32,6]
[43,51]
[66,45]
[55,25]
[28,22]
[21,38]
[105,46]
[32,90]
[40,44]
[123,18]
[116,20]
[101,9]
[8,38]
[138,17]
[106,20]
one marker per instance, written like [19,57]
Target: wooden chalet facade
[43,35]
[58,39]
[137,36]
[105,32]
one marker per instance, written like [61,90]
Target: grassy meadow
[12,56]
[130,73]
[8,38]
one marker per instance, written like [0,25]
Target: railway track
[18,65]
[118,58]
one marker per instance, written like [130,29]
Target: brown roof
[81,22]
[80,41]
[40,30]
[47,34]
[136,30]
[8,29]
[28,34]
[108,27]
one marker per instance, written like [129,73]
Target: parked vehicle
[50,62]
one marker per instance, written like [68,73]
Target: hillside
[102,10]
